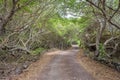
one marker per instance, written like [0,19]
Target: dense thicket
[24,25]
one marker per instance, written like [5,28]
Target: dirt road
[67,65]
[64,66]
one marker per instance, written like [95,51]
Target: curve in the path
[64,66]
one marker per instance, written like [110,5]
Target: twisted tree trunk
[99,34]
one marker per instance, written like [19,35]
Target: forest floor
[67,65]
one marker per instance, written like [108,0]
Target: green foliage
[114,3]
[37,51]
[1,1]
[27,9]
[101,50]
[70,29]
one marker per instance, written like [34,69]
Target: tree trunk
[99,34]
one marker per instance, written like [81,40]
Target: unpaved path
[67,65]
[64,66]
